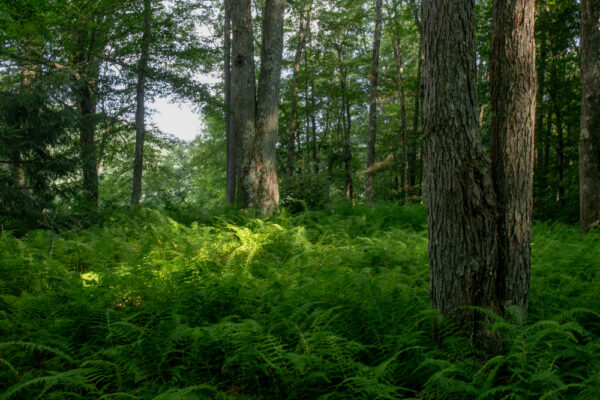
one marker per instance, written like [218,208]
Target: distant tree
[373,103]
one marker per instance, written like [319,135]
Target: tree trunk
[260,175]
[539,125]
[86,102]
[400,77]
[140,112]
[463,235]
[229,132]
[313,128]
[589,162]
[416,117]
[373,104]
[346,118]
[243,89]
[294,93]
[560,158]
[513,95]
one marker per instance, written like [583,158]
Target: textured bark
[140,112]
[294,92]
[513,95]
[243,89]
[260,172]
[373,104]
[400,82]
[589,162]
[463,250]
[230,178]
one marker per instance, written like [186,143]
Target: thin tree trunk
[539,125]
[140,112]
[86,103]
[313,126]
[589,157]
[260,177]
[294,93]
[373,104]
[229,131]
[417,116]
[400,78]
[347,124]
[243,89]
[513,95]
[458,186]
[560,155]
[560,163]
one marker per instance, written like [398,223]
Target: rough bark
[243,89]
[400,83]
[513,95]
[260,172]
[230,178]
[373,104]
[589,162]
[458,184]
[140,112]
[294,92]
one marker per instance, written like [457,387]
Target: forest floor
[317,305]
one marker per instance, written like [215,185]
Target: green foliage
[330,305]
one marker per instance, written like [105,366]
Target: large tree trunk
[243,89]
[373,104]
[589,163]
[294,93]
[229,132]
[513,95]
[400,78]
[461,202]
[260,173]
[140,112]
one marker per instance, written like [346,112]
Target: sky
[176,119]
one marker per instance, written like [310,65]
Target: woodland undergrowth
[318,305]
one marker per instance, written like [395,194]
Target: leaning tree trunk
[373,105]
[140,112]
[513,94]
[260,173]
[589,162]
[229,132]
[243,88]
[458,186]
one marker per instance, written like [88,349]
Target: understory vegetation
[317,305]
